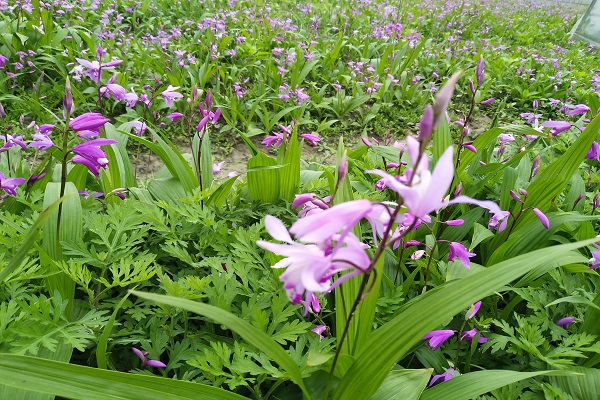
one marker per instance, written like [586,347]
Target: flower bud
[523,192]
[542,217]
[479,71]
[455,222]
[68,99]
[342,168]
[535,166]
[487,102]
[472,86]
[458,190]
[426,124]
[442,99]
[515,196]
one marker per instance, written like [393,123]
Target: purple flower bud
[342,168]
[443,99]
[195,92]
[515,196]
[458,190]
[392,165]
[565,322]
[479,71]
[472,86]
[535,104]
[596,201]
[542,217]
[366,141]
[2,113]
[68,105]
[446,376]
[523,192]
[455,222]
[319,329]
[426,124]
[470,335]
[535,166]
[410,243]
[578,199]
[488,101]
[469,146]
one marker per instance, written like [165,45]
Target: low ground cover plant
[449,251]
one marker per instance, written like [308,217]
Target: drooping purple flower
[147,362]
[311,138]
[91,155]
[174,117]
[437,338]
[10,184]
[276,140]
[565,322]
[115,90]
[446,376]
[556,127]
[578,109]
[594,152]
[457,250]
[88,121]
[499,223]
[170,94]
[470,335]
[542,217]
[46,128]
[3,61]
[131,98]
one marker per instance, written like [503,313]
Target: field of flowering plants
[416,215]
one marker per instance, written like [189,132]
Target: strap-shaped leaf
[85,383]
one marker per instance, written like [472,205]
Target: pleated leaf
[289,176]
[469,386]
[263,183]
[391,342]
[403,384]
[85,383]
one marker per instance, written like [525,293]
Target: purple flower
[41,141]
[10,184]
[446,376]
[94,68]
[3,61]
[542,217]
[437,338]
[115,90]
[170,94]
[594,152]
[145,361]
[319,329]
[487,102]
[595,260]
[428,189]
[565,322]
[276,140]
[578,109]
[139,127]
[457,250]
[470,335]
[311,138]
[46,128]
[131,99]
[88,121]
[310,267]
[12,140]
[91,155]
[175,116]
[473,310]
[216,168]
[557,126]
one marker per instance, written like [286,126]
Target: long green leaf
[263,184]
[248,332]
[84,383]
[32,235]
[388,344]
[468,386]
[289,176]
[403,384]
[581,387]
